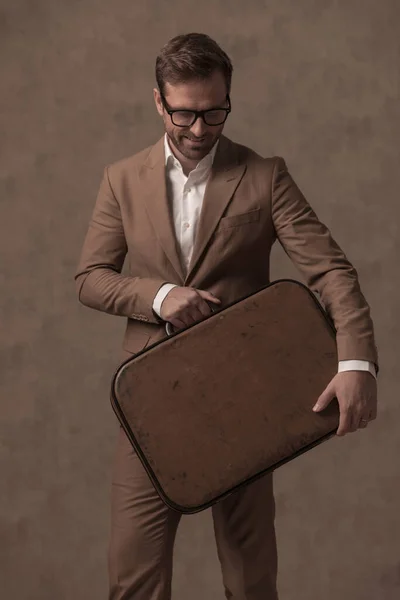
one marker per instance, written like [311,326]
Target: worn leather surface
[224,400]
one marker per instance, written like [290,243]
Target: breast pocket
[246,218]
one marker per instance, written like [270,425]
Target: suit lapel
[152,176]
[226,174]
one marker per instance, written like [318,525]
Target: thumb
[325,398]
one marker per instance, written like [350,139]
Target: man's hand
[183,306]
[356,392]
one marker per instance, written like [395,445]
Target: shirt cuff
[162,292]
[357,365]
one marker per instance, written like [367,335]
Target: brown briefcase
[217,405]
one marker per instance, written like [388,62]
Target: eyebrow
[193,109]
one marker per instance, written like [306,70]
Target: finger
[189,313]
[195,314]
[204,309]
[366,419]
[344,423]
[324,400]
[374,413]
[209,296]
[355,421]
[355,418]
[198,307]
[177,323]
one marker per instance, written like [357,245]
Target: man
[197,215]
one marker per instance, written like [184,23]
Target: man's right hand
[183,306]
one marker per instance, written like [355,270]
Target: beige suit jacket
[249,203]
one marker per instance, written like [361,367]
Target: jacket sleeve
[327,271]
[98,278]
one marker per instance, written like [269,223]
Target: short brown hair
[191,56]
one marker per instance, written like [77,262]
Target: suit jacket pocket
[134,341]
[241,219]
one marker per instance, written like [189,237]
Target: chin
[196,152]
[197,155]
[192,153]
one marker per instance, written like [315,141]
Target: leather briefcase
[217,405]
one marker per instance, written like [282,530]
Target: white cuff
[357,365]
[162,292]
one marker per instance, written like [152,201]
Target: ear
[158,101]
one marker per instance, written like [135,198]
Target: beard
[190,147]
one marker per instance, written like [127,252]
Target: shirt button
[186,225]
[189,190]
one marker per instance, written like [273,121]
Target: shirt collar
[205,162]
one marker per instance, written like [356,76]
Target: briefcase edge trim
[184,509]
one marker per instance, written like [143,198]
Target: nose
[198,128]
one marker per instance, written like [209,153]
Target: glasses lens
[183,118]
[215,117]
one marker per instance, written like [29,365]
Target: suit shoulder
[127,162]
[255,159]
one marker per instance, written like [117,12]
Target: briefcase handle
[169,328]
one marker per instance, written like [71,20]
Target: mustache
[193,139]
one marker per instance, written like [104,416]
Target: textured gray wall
[316,82]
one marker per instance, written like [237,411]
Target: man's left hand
[356,392]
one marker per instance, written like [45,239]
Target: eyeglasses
[187,118]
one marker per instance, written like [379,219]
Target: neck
[188,166]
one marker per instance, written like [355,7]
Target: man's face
[193,143]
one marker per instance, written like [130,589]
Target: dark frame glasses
[197,113]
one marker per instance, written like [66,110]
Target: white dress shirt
[186,198]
